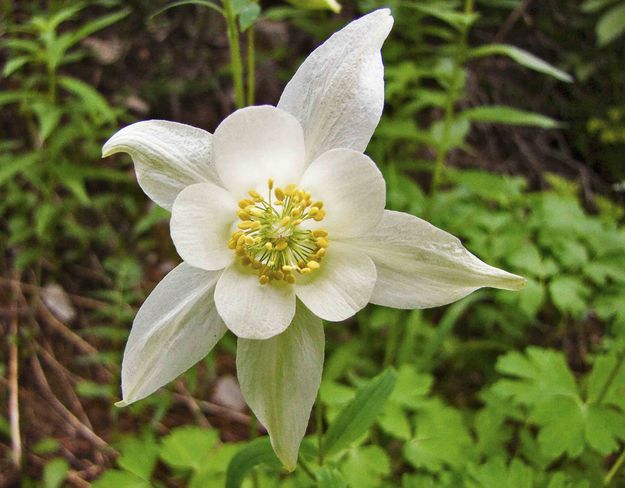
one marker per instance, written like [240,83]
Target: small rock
[228,393]
[57,301]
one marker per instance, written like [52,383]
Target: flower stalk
[442,150]
[236,63]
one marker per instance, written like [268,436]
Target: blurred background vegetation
[504,125]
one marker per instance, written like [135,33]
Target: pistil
[270,239]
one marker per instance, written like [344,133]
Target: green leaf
[498,114]
[328,477]
[596,5]
[522,57]
[117,479]
[538,374]
[356,418]
[14,164]
[248,15]
[611,24]
[607,379]
[604,428]
[254,453]
[562,426]
[366,466]
[441,438]
[54,473]
[46,445]
[332,5]
[570,295]
[96,25]
[491,474]
[188,447]
[48,117]
[138,456]
[454,137]
[14,64]
[442,12]
[93,101]
[44,218]
[203,3]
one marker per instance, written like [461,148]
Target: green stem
[614,469]
[306,469]
[611,377]
[392,343]
[452,97]
[251,63]
[319,422]
[235,53]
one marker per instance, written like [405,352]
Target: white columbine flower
[279,218]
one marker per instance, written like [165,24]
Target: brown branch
[192,404]
[67,383]
[85,302]
[218,410]
[80,427]
[82,345]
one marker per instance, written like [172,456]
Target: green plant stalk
[392,344]
[452,97]
[614,469]
[306,469]
[251,63]
[319,425]
[611,377]
[236,64]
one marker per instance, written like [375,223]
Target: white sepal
[421,266]
[168,156]
[280,377]
[176,327]
[337,94]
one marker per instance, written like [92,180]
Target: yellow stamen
[270,239]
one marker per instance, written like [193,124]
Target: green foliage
[611,23]
[464,401]
[358,415]
[45,174]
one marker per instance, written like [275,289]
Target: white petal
[255,144]
[252,310]
[421,266]
[338,92]
[175,328]
[280,378]
[352,190]
[168,156]
[341,286]
[201,224]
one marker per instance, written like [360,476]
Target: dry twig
[80,427]
[14,411]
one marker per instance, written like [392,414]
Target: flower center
[270,238]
